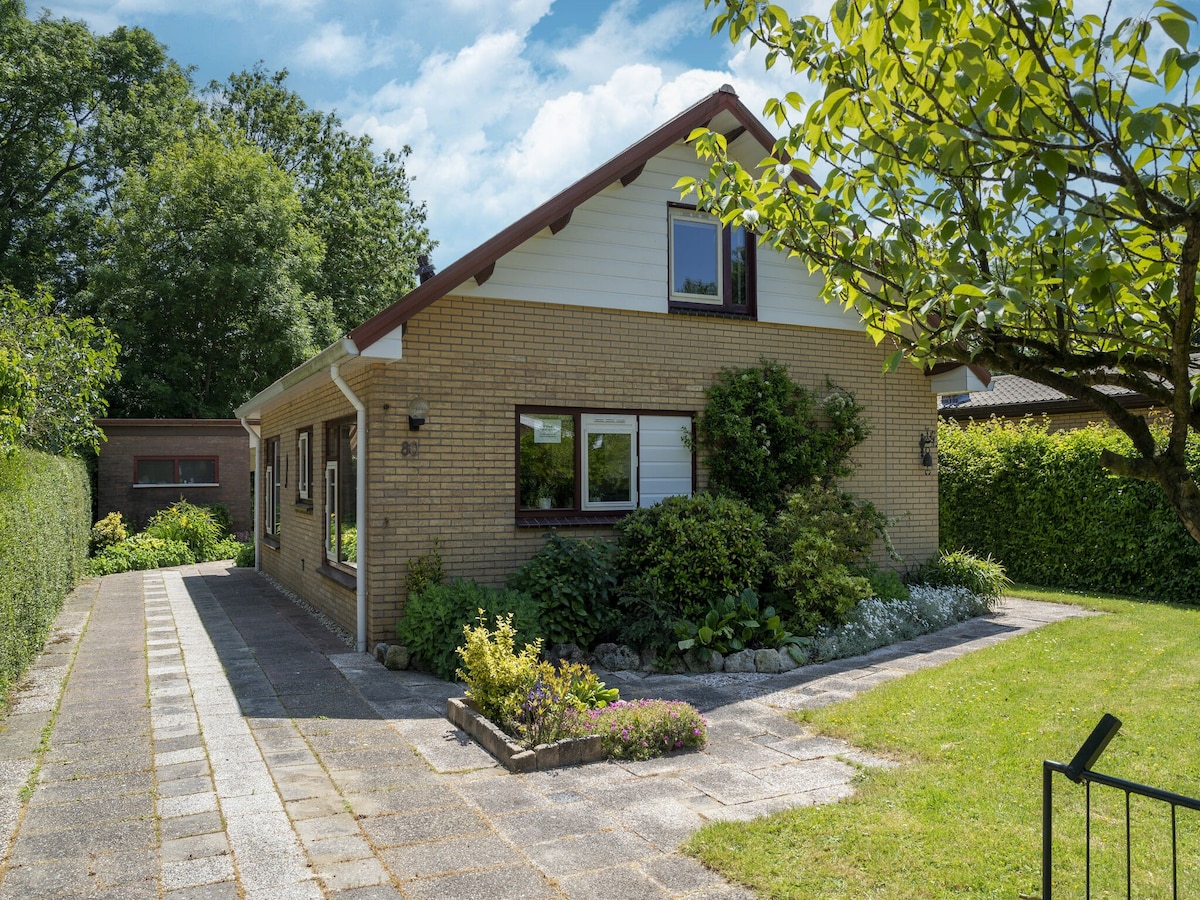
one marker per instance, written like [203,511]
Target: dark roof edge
[724,99]
[1037,407]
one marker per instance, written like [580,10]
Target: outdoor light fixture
[417,411]
[928,444]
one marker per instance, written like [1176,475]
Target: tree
[53,371]
[1002,182]
[357,202]
[75,111]
[203,283]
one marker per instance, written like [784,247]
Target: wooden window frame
[723,304]
[176,460]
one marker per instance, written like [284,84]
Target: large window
[174,470]
[270,482]
[712,268]
[341,485]
[577,463]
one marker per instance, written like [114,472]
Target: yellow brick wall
[474,361]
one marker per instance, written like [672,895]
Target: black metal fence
[1079,770]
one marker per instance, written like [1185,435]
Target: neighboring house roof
[1013,396]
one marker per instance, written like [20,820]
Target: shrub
[423,571]
[497,677]
[221,515]
[732,624]
[432,625]
[817,538]
[108,531]
[244,558]
[886,584]
[142,551]
[763,439]
[983,577]
[188,524]
[641,729]
[687,552]
[1044,506]
[227,548]
[574,583]
[45,516]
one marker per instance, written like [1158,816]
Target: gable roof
[720,110]
[1011,395]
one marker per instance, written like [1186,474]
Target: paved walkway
[204,737]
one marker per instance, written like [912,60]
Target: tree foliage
[1004,182]
[203,282]
[53,373]
[356,201]
[223,236]
[76,109]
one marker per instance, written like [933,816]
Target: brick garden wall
[474,361]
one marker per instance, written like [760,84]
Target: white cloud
[332,50]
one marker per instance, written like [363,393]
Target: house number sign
[409,448]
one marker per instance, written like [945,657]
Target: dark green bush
[765,436]
[732,624]
[142,551]
[423,571]
[1043,506]
[960,568]
[886,584]
[221,515]
[45,517]
[574,583]
[108,531]
[689,552]
[189,524]
[432,625]
[818,540]
[245,555]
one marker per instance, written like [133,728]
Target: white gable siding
[613,255]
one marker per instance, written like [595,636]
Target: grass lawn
[961,817]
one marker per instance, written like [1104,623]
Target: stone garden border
[514,757]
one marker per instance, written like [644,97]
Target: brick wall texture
[475,361]
[130,438]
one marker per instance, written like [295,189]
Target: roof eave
[336,353]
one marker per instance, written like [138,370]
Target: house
[147,464]
[1010,397]
[460,412]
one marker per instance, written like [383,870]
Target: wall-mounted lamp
[928,444]
[417,411]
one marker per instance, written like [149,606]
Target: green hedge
[45,515]
[1044,506]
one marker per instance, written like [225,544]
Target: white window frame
[597,424]
[271,491]
[700,218]
[331,510]
[303,469]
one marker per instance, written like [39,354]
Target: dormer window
[712,268]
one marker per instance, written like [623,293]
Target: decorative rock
[798,653]
[381,650]
[693,663]
[397,657]
[616,657]
[569,653]
[767,662]
[786,661]
[649,660]
[742,661]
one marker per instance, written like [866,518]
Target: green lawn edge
[961,815]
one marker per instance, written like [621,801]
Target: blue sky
[503,102]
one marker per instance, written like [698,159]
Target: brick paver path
[207,738]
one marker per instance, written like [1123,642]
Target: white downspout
[254,529]
[360,507]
